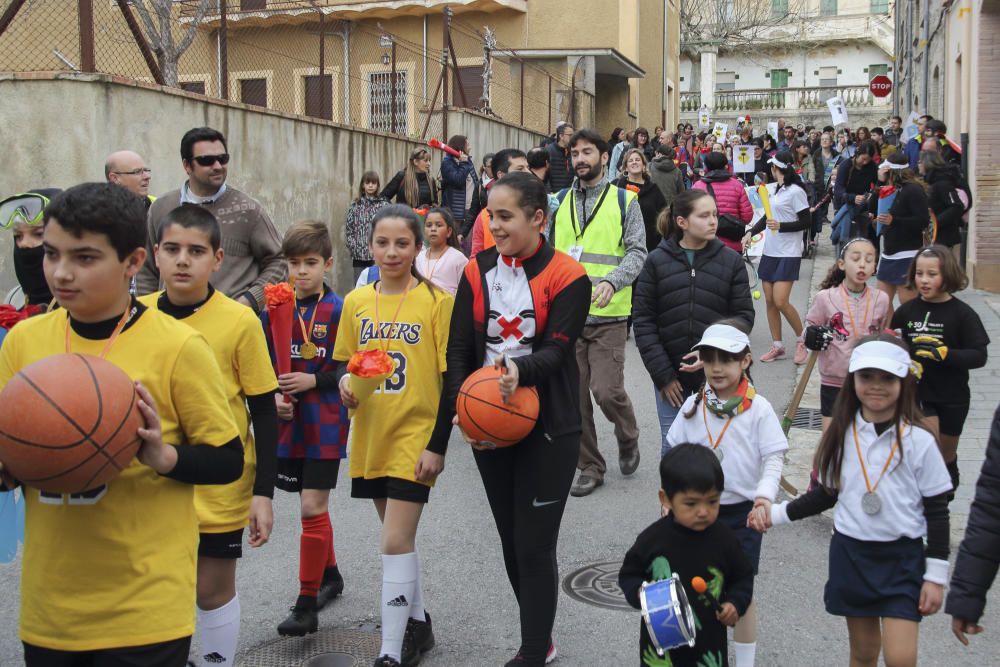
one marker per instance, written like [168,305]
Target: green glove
[660,569]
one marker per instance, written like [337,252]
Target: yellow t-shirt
[391,428]
[236,336]
[117,567]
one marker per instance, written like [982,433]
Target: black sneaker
[304,619]
[386,661]
[332,586]
[420,634]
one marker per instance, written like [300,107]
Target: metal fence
[297,57]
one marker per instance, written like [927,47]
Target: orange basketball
[484,416]
[68,423]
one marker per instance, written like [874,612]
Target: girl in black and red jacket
[523,280]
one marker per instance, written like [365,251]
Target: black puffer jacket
[979,555]
[675,302]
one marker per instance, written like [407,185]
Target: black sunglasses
[209,160]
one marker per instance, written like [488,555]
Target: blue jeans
[667,414]
[840,228]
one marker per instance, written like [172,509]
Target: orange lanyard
[704,415]
[850,309]
[432,267]
[864,466]
[378,322]
[307,333]
[126,316]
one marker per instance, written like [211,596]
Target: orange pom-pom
[699,585]
[276,294]
[370,363]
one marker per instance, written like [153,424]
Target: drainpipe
[925,89]
[425,56]
[345,38]
[909,56]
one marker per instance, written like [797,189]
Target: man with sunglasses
[250,240]
[129,170]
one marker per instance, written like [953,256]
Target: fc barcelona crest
[319,331]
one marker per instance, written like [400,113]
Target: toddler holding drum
[687,544]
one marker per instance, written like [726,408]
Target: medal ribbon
[704,415]
[307,333]
[378,322]
[126,316]
[850,310]
[864,466]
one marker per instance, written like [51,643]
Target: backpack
[730,227]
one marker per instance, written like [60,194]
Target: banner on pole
[772,129]
[704,120]
[838,111]
[743,160]
[910,126]
[720,130]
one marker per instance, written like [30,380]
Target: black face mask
[28,268]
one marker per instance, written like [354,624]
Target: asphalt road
[475,615]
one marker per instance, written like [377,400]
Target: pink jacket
[730,198]
[833,362]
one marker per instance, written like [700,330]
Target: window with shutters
[828,76]
[253,91]
[471,79]
[193,87]
[779,78]
[877,70]
[725,80]
[319,96]
[828,7]
[779,8]
[380,102]
[252,5]
[879,6]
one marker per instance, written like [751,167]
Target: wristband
[936,571]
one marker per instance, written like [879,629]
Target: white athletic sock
[417,606]
[745,653]
[218,632]
[399,578]
[778,344]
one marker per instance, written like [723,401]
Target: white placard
[838,111]
[704,120]
[772,129]
[720,131]
[743,160]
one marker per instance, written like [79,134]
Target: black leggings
[527,486]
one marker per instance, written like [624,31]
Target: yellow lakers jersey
[236,337]
[116,566]
[391,428]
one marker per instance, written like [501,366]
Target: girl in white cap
[885,475]
[739,425]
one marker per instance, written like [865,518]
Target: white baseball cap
[724,337]
[881,355]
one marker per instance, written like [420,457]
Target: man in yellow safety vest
[601,226]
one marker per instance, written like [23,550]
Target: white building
[784,59]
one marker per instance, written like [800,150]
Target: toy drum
[667,613]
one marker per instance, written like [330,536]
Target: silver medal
[871,504]
[719,454]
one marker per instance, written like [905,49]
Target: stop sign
[880,86]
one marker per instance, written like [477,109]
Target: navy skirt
[779,269]
[735,516]
[894,271]
[875,579]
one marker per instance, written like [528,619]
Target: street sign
[881,86]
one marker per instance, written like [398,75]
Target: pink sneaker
[801,353]
[773,354]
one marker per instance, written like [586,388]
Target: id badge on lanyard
[577,250]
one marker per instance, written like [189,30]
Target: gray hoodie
[667,177]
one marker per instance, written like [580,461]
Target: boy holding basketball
[109,575]
[313,424]
[690,543]
[188,252]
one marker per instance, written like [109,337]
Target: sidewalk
[984,384]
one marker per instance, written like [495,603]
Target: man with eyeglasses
[250,240]
[129,170]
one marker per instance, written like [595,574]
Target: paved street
[466,588]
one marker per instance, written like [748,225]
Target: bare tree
[733,26]
[160,23]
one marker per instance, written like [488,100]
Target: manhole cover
[809,419]
[597,584]
[330,660]
[330,647]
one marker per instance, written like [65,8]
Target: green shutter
[828,7]
[876,70]
[779,7]
[779,78]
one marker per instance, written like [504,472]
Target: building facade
[785,59]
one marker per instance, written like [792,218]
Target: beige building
[948,61]
[377,64]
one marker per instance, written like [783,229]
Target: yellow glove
[929,347]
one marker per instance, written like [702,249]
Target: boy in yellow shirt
[109,575]
[188,252]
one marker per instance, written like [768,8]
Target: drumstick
[700,587]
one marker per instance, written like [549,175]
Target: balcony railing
[767,99]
